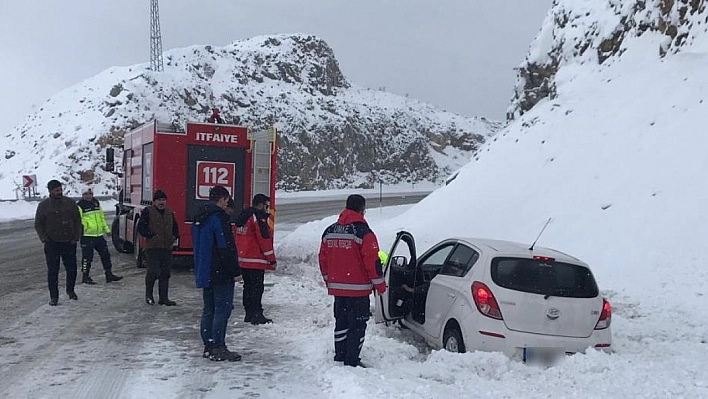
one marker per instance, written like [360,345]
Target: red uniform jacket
[348,257]
[254,240]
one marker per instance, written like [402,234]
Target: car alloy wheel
[452,340]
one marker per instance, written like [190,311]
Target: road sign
[29,181]
[210,174]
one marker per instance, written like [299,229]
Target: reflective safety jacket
[92,218]
[349,257]
[254,240]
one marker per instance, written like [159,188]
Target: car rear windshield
[544,277]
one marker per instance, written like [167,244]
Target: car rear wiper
[556,292]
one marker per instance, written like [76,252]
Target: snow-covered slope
[592,33]
[333,134]
[616,158]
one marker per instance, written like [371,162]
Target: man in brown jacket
[58,226]
[159,227]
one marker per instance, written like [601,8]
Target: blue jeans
[218,302]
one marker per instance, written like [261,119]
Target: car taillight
[485,301]
[605,316]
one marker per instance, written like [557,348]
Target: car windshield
[548,278]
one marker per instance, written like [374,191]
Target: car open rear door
[393,305]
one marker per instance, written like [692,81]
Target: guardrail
[37,199]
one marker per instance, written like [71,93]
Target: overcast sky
[457,54]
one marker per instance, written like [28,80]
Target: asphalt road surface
[43,350]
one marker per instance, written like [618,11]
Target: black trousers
[56,252]
[350,315]
[88,245]
[159,262]
[253,290]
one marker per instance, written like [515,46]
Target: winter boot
[357,364]
[149,286]
[248,318]
[85,270]
[207,352]
[112,277]
[221,354]
[164,289]
[260,319]
[72,295]
[53,302]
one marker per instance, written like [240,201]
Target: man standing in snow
[216,269]
[58,226]
[254,240]
[159,227]
[351,268]
[94,223]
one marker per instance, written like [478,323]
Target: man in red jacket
[351,269]
[254,240]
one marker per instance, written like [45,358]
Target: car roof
[512,248]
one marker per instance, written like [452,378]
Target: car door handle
[451,295]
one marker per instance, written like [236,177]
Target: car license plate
[543,356]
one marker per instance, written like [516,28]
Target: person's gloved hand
[380,288]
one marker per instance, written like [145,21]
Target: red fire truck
[185,162]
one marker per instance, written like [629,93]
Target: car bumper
[493,335]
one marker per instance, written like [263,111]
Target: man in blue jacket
[215,271]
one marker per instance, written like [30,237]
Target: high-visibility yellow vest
[383,257]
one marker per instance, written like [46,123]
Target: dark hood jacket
[215,260]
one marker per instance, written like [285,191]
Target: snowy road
[22,260]
[109,344]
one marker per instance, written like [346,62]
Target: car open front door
[394,304]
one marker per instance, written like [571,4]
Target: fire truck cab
[185,162]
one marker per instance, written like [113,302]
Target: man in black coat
[58,225]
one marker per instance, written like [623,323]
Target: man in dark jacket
[95,226]
[216,269]
[254,240]
[159,227]
[351,269]
[58,226]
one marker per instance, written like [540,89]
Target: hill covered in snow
[580,32]
[333,134]
[616,157]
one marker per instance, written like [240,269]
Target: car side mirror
[110,160]
[399,261]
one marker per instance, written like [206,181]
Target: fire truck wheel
[121,245]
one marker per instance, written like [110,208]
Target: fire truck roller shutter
[209,166]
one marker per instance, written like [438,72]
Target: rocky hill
[332,133]
[596,33]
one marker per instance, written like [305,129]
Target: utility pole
[155,38]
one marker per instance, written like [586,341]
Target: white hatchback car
[467,294]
